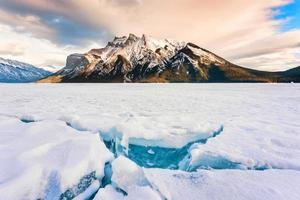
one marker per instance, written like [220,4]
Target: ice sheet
[259,139]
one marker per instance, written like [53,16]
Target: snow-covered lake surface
[150,141]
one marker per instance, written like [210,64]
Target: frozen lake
[157,141]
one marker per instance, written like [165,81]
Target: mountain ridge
[147,59]
[13,71]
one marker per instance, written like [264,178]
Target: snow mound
[109,193]
[127,174]
[53,156]
[128,182]
[226,184]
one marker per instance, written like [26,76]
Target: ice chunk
[53,156]
[135,192]
[127,174]
[128,182]
[108,193]
[153,156]
[89,192]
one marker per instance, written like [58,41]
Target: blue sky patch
[290,11]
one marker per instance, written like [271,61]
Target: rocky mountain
[12,71]
[295,72]
[146,59]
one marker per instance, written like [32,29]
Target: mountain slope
[12,71]
[292,72]
[146,59]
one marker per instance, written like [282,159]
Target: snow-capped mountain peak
[124,55]
[147,59]
[154,43]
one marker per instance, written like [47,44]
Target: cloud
[26,23]
[36,51]
[12,49]
[242,31]
[273,61]
[274,51]
[62,22]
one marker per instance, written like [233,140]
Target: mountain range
[147,59]
[12,71]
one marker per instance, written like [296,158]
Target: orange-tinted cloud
[242,31]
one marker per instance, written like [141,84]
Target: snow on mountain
[148,59]
[12,71]
[132,58]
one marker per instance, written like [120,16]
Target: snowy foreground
[150,141]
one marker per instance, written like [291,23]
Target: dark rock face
[146,59]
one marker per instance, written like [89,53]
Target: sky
[259,34]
